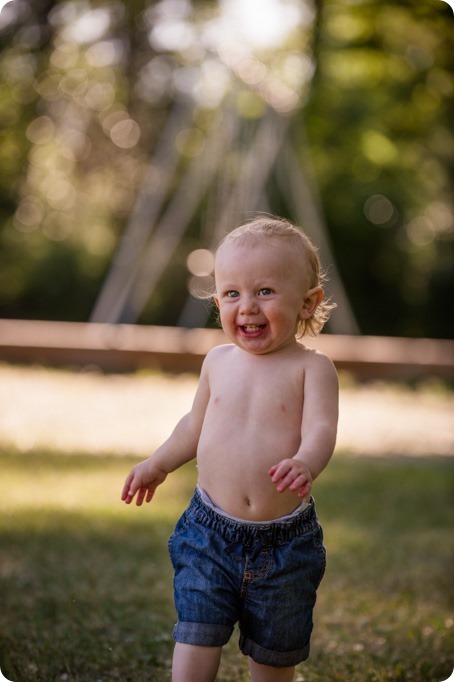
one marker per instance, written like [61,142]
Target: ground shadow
[86,593]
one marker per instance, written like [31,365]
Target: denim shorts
[263,576]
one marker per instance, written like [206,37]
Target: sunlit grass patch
[86,582]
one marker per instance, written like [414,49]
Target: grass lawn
[86,582]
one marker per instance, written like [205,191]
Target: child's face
[261,294]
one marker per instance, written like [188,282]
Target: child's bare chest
[262,395]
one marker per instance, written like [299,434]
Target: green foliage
[86,582]
[379,131]
[84,96]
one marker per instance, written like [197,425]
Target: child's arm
[178,449]
[318,430]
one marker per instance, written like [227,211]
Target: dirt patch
[87,412]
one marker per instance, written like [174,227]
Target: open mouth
[252,329]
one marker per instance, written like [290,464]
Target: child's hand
[143,479]
[291,474]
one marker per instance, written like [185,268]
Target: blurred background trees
[107,106]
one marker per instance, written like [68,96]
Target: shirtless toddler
[249,548]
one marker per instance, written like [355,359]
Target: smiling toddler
[249,547]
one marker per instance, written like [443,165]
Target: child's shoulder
[315,358]
[219,353]
[319,366]
[223,348]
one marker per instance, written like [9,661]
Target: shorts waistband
[238,531]
[208,501]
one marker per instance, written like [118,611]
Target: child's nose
[249,305]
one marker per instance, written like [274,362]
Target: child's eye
[232,294]
[265,291]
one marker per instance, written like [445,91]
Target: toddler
[249,547]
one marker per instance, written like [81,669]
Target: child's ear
[312,298]
[216,300]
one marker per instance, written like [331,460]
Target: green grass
[86,582]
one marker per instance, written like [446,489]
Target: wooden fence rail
[132,347]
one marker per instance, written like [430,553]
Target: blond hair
[281,229]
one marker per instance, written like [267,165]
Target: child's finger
[278,471]
[286,480]
[141,496]
[305,490]
[299,482]
[126,487]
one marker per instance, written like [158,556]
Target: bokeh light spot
[200,262]
[379,210]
